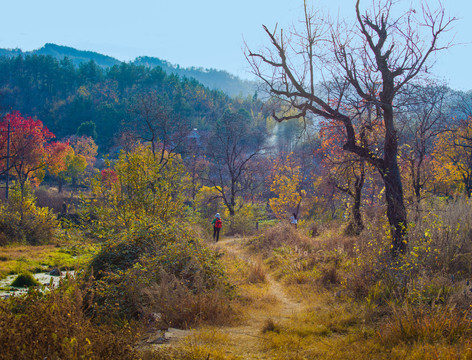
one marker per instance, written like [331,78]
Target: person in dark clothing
[217,225]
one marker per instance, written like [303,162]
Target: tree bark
[396,211]
[357,223]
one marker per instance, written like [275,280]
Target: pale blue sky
[207,33]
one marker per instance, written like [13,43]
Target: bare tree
[425,116]
[156,124]
[236,141]
[369,62]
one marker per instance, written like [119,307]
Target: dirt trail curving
[288,306]
[246,340]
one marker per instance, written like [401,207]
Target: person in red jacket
[217,225]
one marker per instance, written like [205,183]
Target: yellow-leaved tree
[453,159]
[286,185]
[139,189]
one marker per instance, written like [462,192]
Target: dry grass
[257,273]
[51,198]
[183,308]
[412,325]
[54,326]
[334,275]
[279,235]
[204,344]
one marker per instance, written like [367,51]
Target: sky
[201,33]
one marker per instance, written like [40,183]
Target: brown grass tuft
[270,326]
[181,307]
[256,272]
[410,324]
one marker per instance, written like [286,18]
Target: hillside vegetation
[210,78]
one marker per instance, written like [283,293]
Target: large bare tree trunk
[373,61]
[396,212]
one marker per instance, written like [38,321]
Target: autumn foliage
[28,147]
[286,186]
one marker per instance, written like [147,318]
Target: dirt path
[244,340]
[288,306]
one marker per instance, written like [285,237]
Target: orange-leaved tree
[59,154]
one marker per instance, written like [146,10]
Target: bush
[158,268]
[281,234]
[440,240]
[146,188]
[21,221]
[25,279]
[435,268]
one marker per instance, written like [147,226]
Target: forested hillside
[211,78]
[65,97]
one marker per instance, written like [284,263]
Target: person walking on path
[217,225]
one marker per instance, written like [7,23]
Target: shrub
[436,262]
[157,268]
[25,279]
[279,235]
[21,221]
[440,240]
[270,326]
[329,276]
[145,189]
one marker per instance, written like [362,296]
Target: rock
[55,272]
[158,340]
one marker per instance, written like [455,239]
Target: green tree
[87,128]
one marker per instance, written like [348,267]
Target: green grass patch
[25,279]
[16,259]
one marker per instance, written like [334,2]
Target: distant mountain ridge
[211,78]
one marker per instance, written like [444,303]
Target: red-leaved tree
[28,147]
